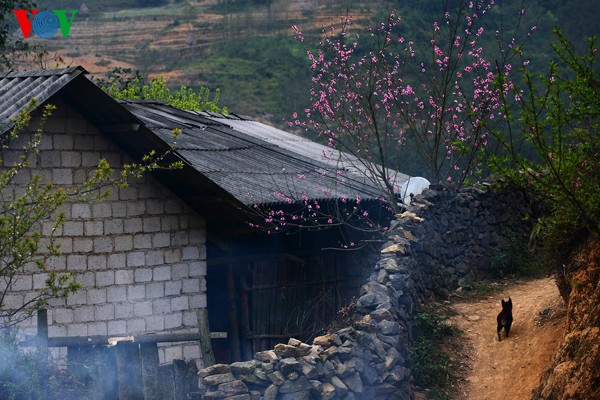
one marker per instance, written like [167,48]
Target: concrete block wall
[139,255]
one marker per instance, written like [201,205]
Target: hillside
[246,47]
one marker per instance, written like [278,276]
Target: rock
[245,367]
[343,370]
[289,365]
[276,377]
[328,391]
[388,327]
[309,370]
[286,351]
[271,393]
[233,388]
[214,370]
[340,388]
[300,384]
[294,342]
[390,265]
[369,375]
[218,379]
[316,388]
[327,340]
[302,395]
[266,356]
[354,383]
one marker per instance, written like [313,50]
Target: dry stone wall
[445,240]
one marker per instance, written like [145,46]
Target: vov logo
[45,23]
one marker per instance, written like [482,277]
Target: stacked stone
[445,239]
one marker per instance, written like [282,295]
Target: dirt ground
[510,369]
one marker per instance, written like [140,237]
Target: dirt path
[510,369]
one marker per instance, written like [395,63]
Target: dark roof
[231,162]
[253,161]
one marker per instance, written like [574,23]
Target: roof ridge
[44,72]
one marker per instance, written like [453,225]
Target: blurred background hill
[246,47]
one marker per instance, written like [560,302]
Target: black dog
[505,318]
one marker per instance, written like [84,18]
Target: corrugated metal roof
[18,88]
[253,161]
[225,154]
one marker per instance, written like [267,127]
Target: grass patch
[432,366]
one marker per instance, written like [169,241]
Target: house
[175,252]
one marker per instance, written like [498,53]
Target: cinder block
[83,143]
[190,253]
[62,316]
[132,225]
[123,276]
[66,245]
[197,301]
[155,323]
[90,159]
[83,245]
[96,296]
[81,211]
[119,210]
[155,206]
[173,206]
[162,273]
[136,292]
[173,353]
[98,328]
[79,176]
[184,221]
[73,228]
[197,237]
[136,208]
[77,263]
[105,278]
[57,263]
[116,293]
[86,279]
[123,310]
[136,325]
[57,330]
[143,274]
[63,142]
[97,262]
[102,210]
[191,352]
[198,268]
[39,281]
[71,159]
[113,158]
[136,259]
[78,298]
[48,159]
[142,308]
[84,314]
[124,243]
[191,285]
[94,228]
[161,306]
[103,244]
[179,271]
[13,301]
[117,328]
[22,283]
[151,224]
[155,258]
[62,176]
[155,290]
[174,320]
[161,239]
[105,312]
[128,193]
[190,318]
[77,330]
[196,221]
[113,226]
[170,223]
[180,238]
[173,288]
[142,241]
[179,303]
[172,256]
